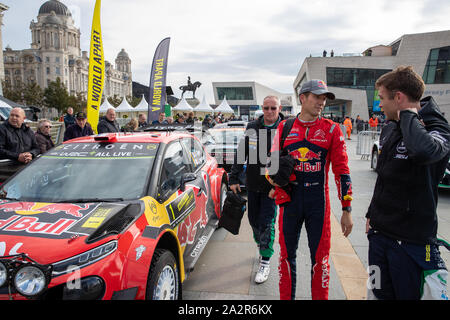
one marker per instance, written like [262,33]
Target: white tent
[183,106]
[124,109]
[142,106]
[204,107]
[105,106]
[224,107]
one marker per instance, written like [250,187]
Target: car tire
[374,159]
[163,280]
[223,196]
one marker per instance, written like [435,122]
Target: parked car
[112,216]
[445,182]
[374,154]
[226,144]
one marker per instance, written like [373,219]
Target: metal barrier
[365,143]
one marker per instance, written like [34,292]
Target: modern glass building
[246,97]
[352,77]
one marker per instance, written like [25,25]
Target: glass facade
[235,93]
[356,78]
[437,69]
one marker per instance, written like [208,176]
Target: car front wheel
[163,281]
[374,160]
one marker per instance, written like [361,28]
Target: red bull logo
[31,208]
[304,155]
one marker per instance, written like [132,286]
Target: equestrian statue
[190,87]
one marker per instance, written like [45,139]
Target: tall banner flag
[157,98]
[96,69]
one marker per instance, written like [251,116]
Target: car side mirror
[187,177]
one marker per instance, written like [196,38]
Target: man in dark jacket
[69,118]
[401,219]
[261,209]
[108,123]
[80,129]
[17,141]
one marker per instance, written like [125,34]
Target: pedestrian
[108,123]
[359,124]
[131,126]
[81,128]
[401,219]
[69,118]
[43,137]
[17,140]
[313,142]
[142,120]
[373,122]
[348,127]
[262,210]
[161,119]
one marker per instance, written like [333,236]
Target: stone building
[55,53]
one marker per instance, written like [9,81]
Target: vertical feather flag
[157,97]
[96,69]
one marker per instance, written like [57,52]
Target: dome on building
[123,54]
[54,5]
[53,19]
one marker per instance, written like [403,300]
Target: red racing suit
[314,145]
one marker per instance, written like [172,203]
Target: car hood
[49,232]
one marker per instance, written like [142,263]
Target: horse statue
[190,87]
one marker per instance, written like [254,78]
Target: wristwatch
[348,209]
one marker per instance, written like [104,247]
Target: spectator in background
[108,123]
[160,120]
[17,141]
[348,127]
[69,119]
[43,137]
[169,120]
[80,129]
[359,124]
[373,122]
[142,120]
[131,126]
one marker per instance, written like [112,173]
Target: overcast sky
[235,40]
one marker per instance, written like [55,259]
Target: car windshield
[227,136]
[82,172]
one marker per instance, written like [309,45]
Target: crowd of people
[401,223]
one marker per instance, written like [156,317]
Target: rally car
[113,216]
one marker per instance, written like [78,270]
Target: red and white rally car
[114,216]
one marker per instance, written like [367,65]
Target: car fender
[217,176]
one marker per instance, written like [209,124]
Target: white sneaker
[263,272]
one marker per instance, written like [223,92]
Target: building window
[355,78]
[437,68]
[48,70]
[235,93]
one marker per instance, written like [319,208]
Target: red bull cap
[317,87]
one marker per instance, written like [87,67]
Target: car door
[180,199]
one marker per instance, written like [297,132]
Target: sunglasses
[270,108]
[47,126]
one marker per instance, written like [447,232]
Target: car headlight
[28,277]
[3,274]
[84,259]
[30,281]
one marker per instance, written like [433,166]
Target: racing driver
[314,142]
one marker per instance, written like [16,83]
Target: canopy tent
[142,106]
[105,106]
[124,109]
[224,107]
[183,106]
[203,107]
